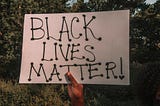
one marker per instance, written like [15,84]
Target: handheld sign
[93,46]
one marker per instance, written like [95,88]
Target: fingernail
[68,73]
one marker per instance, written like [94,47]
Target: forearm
[75,91]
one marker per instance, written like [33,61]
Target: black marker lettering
[44,51]
[81,66]
[38,73]
[64,56]
[68,66]
[77,20]
[86,27]
[57,73]
[37,28]
[62,30]
[55,46]
[48,37]
[93,69]
[121,69]
[111,66]
[74,51]
[94,57]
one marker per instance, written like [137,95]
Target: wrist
[78,102]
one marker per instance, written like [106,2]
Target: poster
[93,46]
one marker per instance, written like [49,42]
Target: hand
[75,91]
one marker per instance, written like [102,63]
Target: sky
[147,1]
[150,1]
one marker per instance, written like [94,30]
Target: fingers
[72,79]
[70,90]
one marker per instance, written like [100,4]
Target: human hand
[75,91]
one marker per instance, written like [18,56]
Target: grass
[14,94]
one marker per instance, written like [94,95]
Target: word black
[64,31]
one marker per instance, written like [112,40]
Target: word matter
[92,69]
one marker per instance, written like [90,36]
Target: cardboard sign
[93,46]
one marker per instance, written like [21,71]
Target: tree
[145,39]
[11,29]
[144,30]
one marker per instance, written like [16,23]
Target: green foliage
[11,29]
[144,47]
[145,39]
[13,94]
[144,30]
[105,5]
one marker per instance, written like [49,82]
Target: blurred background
[144,48]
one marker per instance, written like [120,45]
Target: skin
[75,91]
[158,94]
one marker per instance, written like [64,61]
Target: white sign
[93,46]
